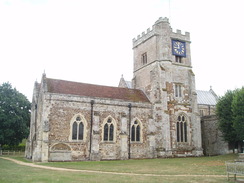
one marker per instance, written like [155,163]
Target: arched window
[108,130]
[181,127]
[135,131]
[78,126]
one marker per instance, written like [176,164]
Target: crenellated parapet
[178,35]
[161,27]
[143,37]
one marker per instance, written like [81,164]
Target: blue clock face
[178,48]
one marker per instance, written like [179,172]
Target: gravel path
[101,172]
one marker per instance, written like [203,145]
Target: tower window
[201,112]
[144,58]
[178,59]
[181,127]
[178,90]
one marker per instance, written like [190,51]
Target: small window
[178,59]
[135,132]
[201,112]
[181,128]
[78,118]
[144,58]
[178,89]
[108,130]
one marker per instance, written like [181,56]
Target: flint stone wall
[61,109]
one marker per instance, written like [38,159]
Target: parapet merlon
[155,30]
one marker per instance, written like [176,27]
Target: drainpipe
[209,110]
[92,103]
[129,106]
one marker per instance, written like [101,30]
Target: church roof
[91,90]
[206,97]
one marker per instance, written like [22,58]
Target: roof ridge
[203,90]
[91,84]
[95,90]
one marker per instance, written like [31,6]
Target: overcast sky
[91,41]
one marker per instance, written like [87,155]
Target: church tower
[163,70]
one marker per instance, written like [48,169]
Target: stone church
[154,115]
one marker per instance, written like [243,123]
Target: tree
[230,112]
[238,114]
[14,115]
[225,116]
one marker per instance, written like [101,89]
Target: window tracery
[136,131]
[78,126]
[181,127]
[109,130]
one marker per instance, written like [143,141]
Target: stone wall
[213,143]
[56,129]
[206,110]
[158,78]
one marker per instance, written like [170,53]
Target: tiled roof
[206,97]
[90,90]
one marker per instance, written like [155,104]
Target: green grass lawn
[12,172]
